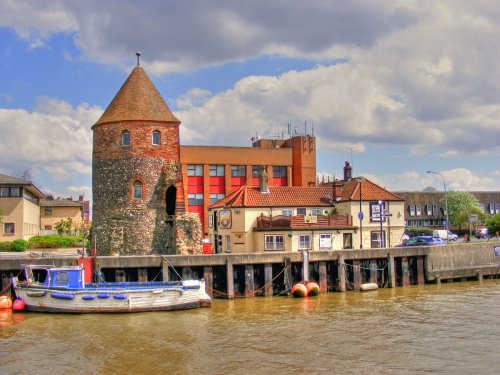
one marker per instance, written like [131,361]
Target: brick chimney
[347,172]
[263,186]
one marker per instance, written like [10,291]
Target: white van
[441,233]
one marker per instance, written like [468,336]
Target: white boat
[62,289]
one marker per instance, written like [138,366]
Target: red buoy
[312,289]
[299,290]
[18,305]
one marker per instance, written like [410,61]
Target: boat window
[62,278]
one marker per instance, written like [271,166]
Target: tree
[64,226]
[429,189]
[460,204]
[493,225]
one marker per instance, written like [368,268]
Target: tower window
[137,190]
[156,137]
[125,138]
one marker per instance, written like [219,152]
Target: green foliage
[419,231]
[50,242]
[1,215]
[493,225]
[64,226]
[460,204]
[16,245]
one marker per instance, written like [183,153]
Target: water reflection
[432,329]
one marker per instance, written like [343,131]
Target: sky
[396,88]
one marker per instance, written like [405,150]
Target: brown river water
[433,329]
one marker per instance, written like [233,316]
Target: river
[433,329]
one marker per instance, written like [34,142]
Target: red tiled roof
[137,99]
[369,192]
[278,196]
[295,196]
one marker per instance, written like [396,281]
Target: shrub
[18,245]
[5,246]
[50,242]
[419,231]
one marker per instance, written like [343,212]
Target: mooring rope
[171,265]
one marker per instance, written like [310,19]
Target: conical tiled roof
[137,100]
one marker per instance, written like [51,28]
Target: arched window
[125,138]
[156,137]
[137,190]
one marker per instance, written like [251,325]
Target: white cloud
[55,137]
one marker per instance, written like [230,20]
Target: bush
[419,231]
[16,245]
[50,242]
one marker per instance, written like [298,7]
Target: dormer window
[137,190]
[156,137]
[125,138]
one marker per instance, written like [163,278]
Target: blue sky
[408,87]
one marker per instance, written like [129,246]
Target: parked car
[423,241]
[441,233]
[481,233]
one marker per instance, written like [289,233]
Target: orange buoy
[299,290]
[18,305]
[312,289]
[5,302]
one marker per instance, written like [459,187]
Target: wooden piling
[323,282]
[392,271]
[142,275]
[357,274]
[420,271]
[341,273]
[249,281]
[288,274]
[230,279]
[268,279]
[373,271]
[208,276]
[405,271]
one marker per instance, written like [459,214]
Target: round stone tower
[137,184]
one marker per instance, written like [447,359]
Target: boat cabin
[52,277]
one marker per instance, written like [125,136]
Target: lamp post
[360,180]
[447,226]
[381,207]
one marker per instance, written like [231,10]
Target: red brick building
[143,179]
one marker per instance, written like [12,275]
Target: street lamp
[360,180]
[447,226]
[380,207]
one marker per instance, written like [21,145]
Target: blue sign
[360,216]
[444,222]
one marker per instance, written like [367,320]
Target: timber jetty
[271,274]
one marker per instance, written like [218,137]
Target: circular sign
[360,216]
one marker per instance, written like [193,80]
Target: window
[418,210]
[255,170]
[4,192]
[228,244]
[47,211]
[274,242]
[156,137]
[214,198]
[279,171]
[137,190]
[412,210]
[375,240]
[497,208]
[428,209]
[492,208]
[347,241]
[195,199]
[9,228]
[48,227]
[434,209]
[287,212]
[301,211]
[325,241]
[195,170]
[62,278]
[238,171]
[215,170]
[304,241]
[316,212]
[125,138]
[15,192]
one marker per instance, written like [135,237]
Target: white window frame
[217,170]
[228,243]
[125,137]
[137,190]
[274,242]
[304,242]
[327,237]
[418,210]
[195,170]
[287,212]
[412,210]
[316,212]
[153,140]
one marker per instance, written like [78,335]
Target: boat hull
[113,300]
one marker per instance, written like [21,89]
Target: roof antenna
[138,53]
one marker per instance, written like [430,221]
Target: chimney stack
[347,172]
